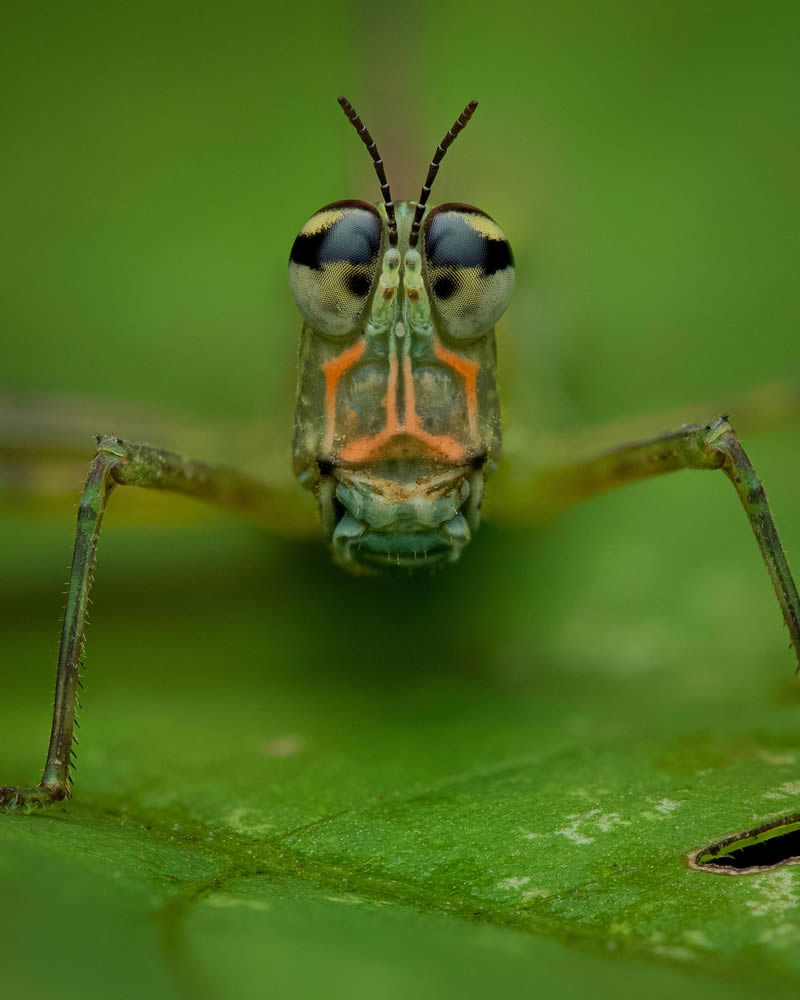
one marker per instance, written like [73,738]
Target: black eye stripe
[354,237]
[451,242]
[499,256]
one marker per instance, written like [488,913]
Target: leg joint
[720,440]
[110,445]
[716,430]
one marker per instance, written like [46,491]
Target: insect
[397,423]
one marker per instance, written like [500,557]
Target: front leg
[122,463]
[694,446]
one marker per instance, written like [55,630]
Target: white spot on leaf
[673,951]
[583,828]
[245,820]
[514,882]
[661,809]
[777,759]
[781,936]
[530,894]
[697,939]
[284,746]
[228,901]
[787,789]
[777,894]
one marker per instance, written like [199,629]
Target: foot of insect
[28,799]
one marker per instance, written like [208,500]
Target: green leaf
[292,775]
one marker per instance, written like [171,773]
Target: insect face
[397,421]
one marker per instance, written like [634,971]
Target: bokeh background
[158,161]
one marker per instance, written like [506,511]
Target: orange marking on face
[420,444]
[334,370]
[401,438]
[468,370]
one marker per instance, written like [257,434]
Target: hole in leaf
[764,847]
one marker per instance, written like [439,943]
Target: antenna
[433,170]
[372,149]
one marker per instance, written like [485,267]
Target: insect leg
[121,463]
[43,448]
[547,490]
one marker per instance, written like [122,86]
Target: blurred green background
[293,777]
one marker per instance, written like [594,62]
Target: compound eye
[333,265]
[470,269]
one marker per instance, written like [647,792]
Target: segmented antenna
[433,169]
[372,149]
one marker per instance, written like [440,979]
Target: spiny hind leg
[122,463]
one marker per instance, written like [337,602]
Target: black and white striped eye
[333,265]
[470,269]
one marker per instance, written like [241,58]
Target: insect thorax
[397,421]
